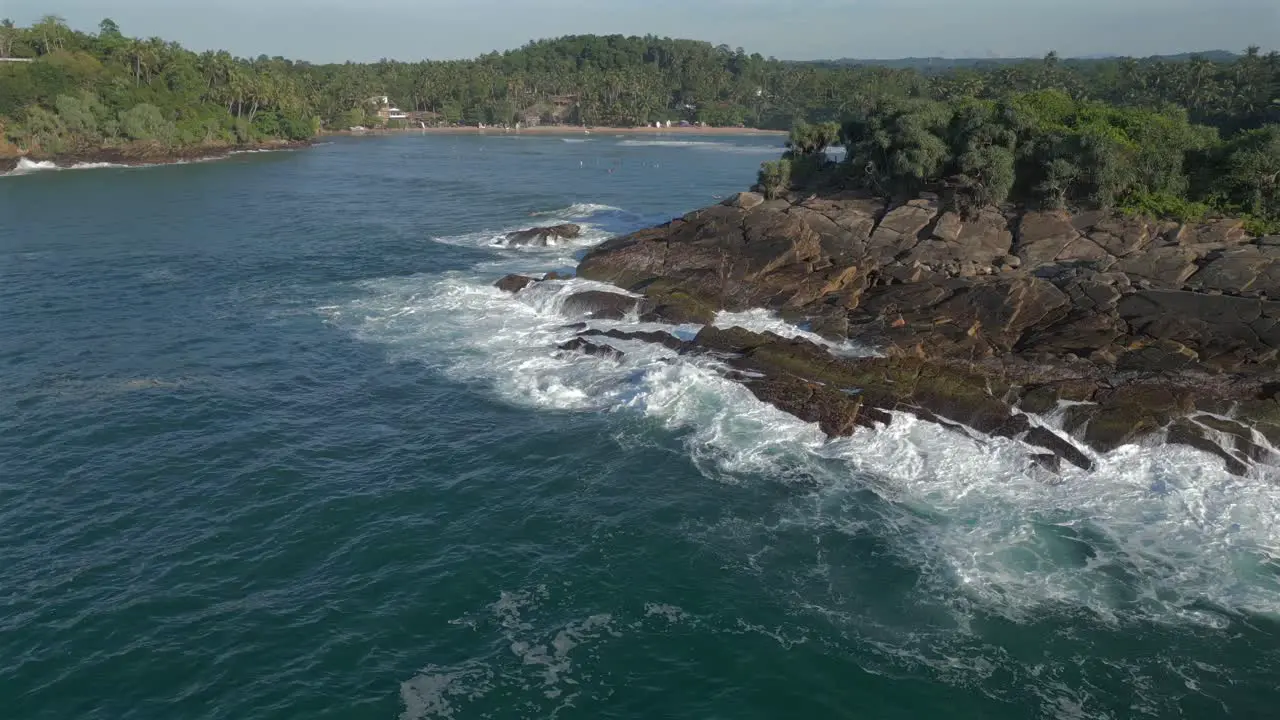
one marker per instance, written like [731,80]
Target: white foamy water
[707,145]
[542,662]
[26,166]
[598,223]
[760,320]
[1154,531]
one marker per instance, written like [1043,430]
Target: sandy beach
[563,130]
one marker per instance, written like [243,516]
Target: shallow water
[271,446]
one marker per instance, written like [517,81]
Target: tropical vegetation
[1044,149]
[1171,135]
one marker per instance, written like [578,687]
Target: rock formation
[542,236]
[1126,326]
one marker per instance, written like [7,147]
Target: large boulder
[1126,325]
[514,283]
[542,236]
[599,304]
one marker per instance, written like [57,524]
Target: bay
[271,446]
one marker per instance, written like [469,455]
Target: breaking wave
[598,222]
[1154,534]
[760,320]
[1159,532]
[25,167]
[706,145]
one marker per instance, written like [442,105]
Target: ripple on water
[271,446]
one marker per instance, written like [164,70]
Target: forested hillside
[1166,135]
[1042,149]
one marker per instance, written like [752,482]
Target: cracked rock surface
[1127,326]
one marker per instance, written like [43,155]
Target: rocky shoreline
[146,154]
[1118,328]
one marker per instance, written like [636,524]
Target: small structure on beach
[385,110]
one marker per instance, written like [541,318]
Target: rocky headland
[1123,328]
[145,154]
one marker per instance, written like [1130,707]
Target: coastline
[561,130]
[145,155]
[1126,327]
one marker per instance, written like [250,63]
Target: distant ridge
[943,64]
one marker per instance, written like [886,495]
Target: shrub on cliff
[984,148]
[806,139]
[775,178]
[1246,175]
[1046,149]
[79,115]
[145,122]
[42,130]
[898,147]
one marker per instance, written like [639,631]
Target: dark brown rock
[1134,323]
[658,338]
[744,200]
[542,236]
[514,283]
[1061,447]
[599,304]
[1043,236]
[1167,267]
[1185,432]
[579,345]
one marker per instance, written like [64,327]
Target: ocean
[273,447]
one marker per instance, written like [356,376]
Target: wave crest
[1157,532]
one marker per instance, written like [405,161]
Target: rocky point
[1123,327]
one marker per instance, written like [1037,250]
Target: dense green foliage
[1047,149]
[83,92]
[1168,137]
[81,85]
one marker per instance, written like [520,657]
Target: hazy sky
[334,30]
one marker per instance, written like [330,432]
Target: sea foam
[1156,532]
[26,167]
[709,145]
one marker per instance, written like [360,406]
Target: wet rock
[514,283]
[1248,270]
[1129,413]
[666,340]
[542,236]
[1043,236]
[1167,267]
[1238,436]
[1184,432]
[666,301]
[1047,461]
[744,200]
[1123,324]
[1060,446]
[599,304]
[583,346]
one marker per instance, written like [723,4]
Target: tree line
[1043,149]
[592,80]
[1173,135]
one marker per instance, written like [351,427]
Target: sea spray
[1187,532]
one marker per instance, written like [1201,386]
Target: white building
[385,110]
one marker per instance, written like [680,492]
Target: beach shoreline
[143,155]
[561,130]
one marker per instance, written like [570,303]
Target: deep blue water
[271,447]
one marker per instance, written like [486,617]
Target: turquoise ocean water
[271,447]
